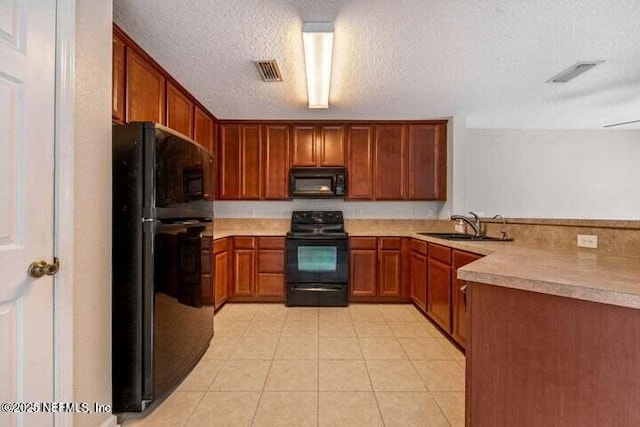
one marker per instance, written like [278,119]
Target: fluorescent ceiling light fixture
[574,71]
[317,40]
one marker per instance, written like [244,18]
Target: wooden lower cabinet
[459,299]
[390,267]
[221,260]
[439,285]
[363,272]
[271,264]
[418,268]
[375,266]
[439,293]
[543,360]
[244,261]
[258,269]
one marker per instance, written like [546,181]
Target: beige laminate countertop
[579,274]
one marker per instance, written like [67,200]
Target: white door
[27,80]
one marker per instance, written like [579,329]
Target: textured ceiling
[487,60]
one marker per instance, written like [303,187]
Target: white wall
[553,173]
[396,210]
[92,210]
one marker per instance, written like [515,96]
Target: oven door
[317,260]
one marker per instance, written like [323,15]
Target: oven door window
[317,258]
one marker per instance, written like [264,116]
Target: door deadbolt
[40,268]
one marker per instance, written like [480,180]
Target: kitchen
[503,158]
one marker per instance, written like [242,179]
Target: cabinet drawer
[441,253]
[363,243]
[419,246]
[244,242]
[390,242]
[271,242]
[271,261]
[220,245]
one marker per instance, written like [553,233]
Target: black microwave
[318,183]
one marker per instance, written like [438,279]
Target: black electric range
[317,272]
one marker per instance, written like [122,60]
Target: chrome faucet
[474,222]
[504,226]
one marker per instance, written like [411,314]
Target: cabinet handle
[463,289]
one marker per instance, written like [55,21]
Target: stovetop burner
[317,224]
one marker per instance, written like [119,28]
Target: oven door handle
[323,288]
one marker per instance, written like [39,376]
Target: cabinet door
[304,146]
[331,146]
[251,162]
[221,272]
[360,162]
[439,293]
[118,79]
[362,266]
[229,162]
[243,272]
[203,130]
[388,165]
[145,90]
[276,162]
[179,111]
[390,274]
[427,170]
[459,301]
[419,279]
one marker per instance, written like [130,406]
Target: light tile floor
[365,365]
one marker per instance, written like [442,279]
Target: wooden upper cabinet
[318,145]
[145,90]
[240,164]
[388,165]
[304,146]
[229,162]
[179,111]
[427,162]
[118,76]
[331,146]
[276,162]
[203,130]
[360,162]
[251,162]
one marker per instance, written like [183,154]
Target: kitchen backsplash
[619,239]
[379,210]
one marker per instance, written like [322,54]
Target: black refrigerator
[162,210]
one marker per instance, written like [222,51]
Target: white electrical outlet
[431,213]
[587,241]
[460,228]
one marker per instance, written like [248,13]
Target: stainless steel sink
[462,236]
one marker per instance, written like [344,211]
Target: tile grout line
[264,385]
[186,422]
[366,366]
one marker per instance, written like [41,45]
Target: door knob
[39,268]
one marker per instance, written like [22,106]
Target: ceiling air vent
[269,70]
[574,71]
